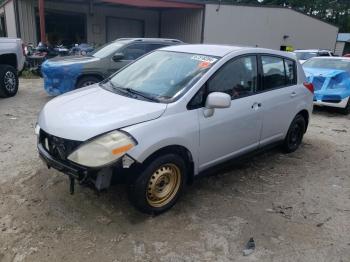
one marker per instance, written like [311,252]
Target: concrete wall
[266,27]
[10,18]
[185,25]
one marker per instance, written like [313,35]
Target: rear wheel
[295,134]
[8,81]
[87,81]
[160,184]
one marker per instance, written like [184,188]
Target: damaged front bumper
[101,179]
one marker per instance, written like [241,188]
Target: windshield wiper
[139,93]
[130,91]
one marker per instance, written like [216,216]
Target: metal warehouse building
[100,21]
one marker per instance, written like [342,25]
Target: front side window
[238,78]
[273,72]
[162,75]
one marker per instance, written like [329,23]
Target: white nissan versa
[173,113]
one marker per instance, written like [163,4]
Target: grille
[59,148]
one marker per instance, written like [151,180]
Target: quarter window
[238,78]
[290,72]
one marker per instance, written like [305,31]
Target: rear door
[278,95]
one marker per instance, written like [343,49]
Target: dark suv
[63,74]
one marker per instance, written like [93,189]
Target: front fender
[180,129]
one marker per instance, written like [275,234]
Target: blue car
[331,79]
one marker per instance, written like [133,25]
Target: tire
[295,134]
[87,81]
[346,110]
[159,185]
[8,81]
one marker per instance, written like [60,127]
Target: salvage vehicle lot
[296,207]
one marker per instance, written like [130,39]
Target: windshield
[305,55]
[107,49]
[163,74]
[340,64]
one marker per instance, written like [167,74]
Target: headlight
[103,150]
[37,129]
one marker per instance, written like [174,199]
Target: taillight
[309,86]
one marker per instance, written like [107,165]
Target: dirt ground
[296,206]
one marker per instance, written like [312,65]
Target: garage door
[121,27]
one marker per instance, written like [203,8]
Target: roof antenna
[219,5]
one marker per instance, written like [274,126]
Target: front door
[235,130]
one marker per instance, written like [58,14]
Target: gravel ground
[296,206]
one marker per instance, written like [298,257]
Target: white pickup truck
[11,62]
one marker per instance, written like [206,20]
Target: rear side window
[277,72]
[238,78]
[134,51]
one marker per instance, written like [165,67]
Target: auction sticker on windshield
[204,58]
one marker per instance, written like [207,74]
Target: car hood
[70,60]
[91,111]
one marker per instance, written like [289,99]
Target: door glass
[273,72]
[238,78]
[134,51]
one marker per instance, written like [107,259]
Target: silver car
[172,114]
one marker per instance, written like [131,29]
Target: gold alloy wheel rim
[163,185]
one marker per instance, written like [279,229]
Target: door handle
[293,94]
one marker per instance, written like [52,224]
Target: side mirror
[117,57]
[216,100]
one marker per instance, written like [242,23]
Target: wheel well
[305,115]
[9,59]
[183,152]
[87,75]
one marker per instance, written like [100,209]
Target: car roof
[331,57]
[222,50]
[312,50]
[158,40]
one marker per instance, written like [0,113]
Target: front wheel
[295,134]
[159,185]
[8,81]
[87,81]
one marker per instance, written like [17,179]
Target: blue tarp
[329,84]
[60,78]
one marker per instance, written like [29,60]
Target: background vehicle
[304,55]
[174,113]
[63,74]
[331,79]
[11,63]
[82,49]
